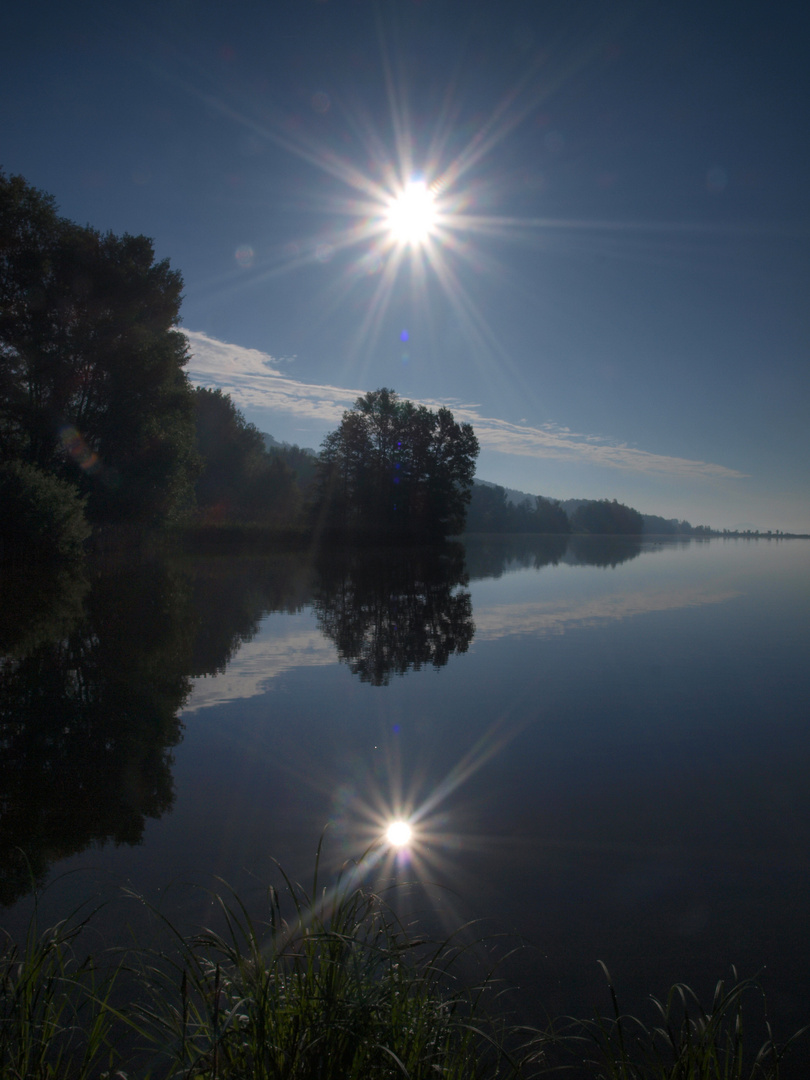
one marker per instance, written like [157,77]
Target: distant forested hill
[501,509]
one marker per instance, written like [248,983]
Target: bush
[43,516]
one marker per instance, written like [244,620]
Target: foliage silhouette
[43,516]
[395,470]
[605,518]
[92,386]
[239,480]
[490,512]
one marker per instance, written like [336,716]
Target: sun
[398,833]
[411,216]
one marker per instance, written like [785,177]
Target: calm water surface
[605,750]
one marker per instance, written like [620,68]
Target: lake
[603,746]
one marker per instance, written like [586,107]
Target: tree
[231,451]
[549,517]
[92,385]
[43,516]
[239,480]
[600,516]
[395,469]
[490,511]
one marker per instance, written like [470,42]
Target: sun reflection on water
[399,826]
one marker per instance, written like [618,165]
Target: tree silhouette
[92,385]
[88,718]
[490,511]
[395,469]
[239,480]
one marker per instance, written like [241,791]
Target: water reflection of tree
[230,596]
[38,606]
[87,722]
[497,554]
[94,669]
[603,550]
[391,611]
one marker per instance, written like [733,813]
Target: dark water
[605,749]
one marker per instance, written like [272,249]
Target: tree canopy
[92,385]
[607,518]
[239,480]
[490,511]
[395,469]
[43,516]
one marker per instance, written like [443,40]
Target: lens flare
[399,834]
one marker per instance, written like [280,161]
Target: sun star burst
[412,215]
[399,833]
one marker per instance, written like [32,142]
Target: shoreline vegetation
[231,538]
[332,985]
[292,505]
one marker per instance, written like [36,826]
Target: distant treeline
[496,509]
[492,511]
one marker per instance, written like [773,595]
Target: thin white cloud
[557,617]
[253,380]
[285,642]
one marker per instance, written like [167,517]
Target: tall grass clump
[55,1019]
[331,985]
[685,1040]
[337,989]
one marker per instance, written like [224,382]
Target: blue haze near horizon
[623,282]
[632,748]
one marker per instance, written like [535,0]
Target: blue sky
[615,290]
